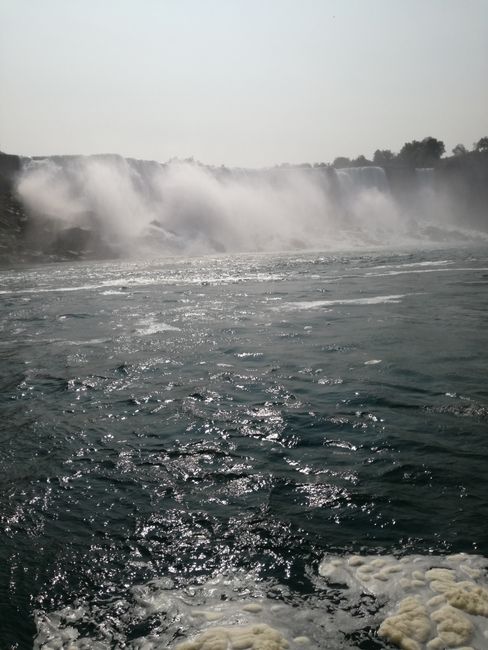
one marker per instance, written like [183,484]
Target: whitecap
[411,264]
[86,342]
[372,300]
[155,328]
[436,270]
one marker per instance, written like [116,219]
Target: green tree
[360,161]
[383,157]
[482,144]
[434,148]
[459,150]
[424,153]
[341,161]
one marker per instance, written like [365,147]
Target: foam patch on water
[430,602]
[117,286]
[412,264]
[152,326]
[413,603]
[81,342]
[373,300]
[252,637]
[222,614]
[435,270]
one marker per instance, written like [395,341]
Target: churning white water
[133,208]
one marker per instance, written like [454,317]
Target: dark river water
[199,433]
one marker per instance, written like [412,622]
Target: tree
[482,144]
[341,161]
[459,150]
[433,148]
[383,157]
[360,161]
[422,154]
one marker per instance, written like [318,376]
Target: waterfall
[425,177]
[107,206]
[356,179]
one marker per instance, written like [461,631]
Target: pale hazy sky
[241,82]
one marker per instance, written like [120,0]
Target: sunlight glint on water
[184,441]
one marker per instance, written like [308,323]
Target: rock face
[12,217]
[73,242]
[18,243]
[24,240]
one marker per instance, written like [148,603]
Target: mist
[112,206]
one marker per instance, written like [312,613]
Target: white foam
[411,264]
[152,326]
[82,287]
[86,342]
[330,381]
[237,637]
[432,602]
[372,300]
[416,602]
[147,281]
[228,613]
[436,270]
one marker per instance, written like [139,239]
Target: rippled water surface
[233,419]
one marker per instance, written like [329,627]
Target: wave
[373,300]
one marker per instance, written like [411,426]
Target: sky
[247,83]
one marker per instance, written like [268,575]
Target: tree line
[417,153]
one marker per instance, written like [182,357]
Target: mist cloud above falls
[136,208]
